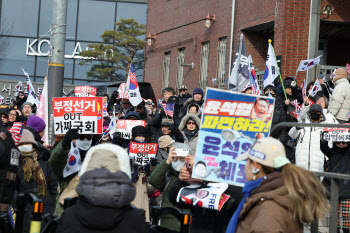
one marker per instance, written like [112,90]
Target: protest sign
[125,126]
[85,91]
[142,153]
[246,116]
[336,134]
[211,196]
[82,113]
[122,93]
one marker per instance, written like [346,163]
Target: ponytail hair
[308,201]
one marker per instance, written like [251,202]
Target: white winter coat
[339,105]
[308,154]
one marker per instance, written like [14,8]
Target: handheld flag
[303,89]
[16,131]
[296,112]
[239,77]
[43,109]
[308,64]
[122,94]
[271,68]
[253,80]
[168,108]
[73,162]
[1,99]
[316,88]
[32,97]
[132,87]
[19,85]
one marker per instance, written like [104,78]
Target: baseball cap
[266,151]
[165,141]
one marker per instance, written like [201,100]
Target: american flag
[348,68]
[168,109]
[303,89]
[255,91]
[16,131]
[296,112]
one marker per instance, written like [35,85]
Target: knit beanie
[36,123]
[165,141]
[339,74]
[139,131]
[27,137]
[198,91]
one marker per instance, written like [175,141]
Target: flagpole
[285,95]
[46,112]
[235,67]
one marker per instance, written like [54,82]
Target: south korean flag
[73,162]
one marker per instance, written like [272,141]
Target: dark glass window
[96,15]
[19,17]
[139,11]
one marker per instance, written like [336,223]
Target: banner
[82,113]
[211,196]
[85,91]
[336,134]
[245,116]
[125,127]
[142,153]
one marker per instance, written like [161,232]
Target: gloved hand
[117,135]
[154,161]
[322,136]
[298,128]
[161,112]
[70,136]
[172,128]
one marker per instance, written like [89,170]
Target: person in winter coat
[323,102]
[34,175]
[105,193]
[339,105]
[20,100]
[163,177]
[279,114]
[167,127]
[189,128]
[58,161]
[164,145]
[198,96]
[279,196]
[339,162]
[206,220]
[307,152]
[183,95]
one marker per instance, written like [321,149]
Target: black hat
[139,131]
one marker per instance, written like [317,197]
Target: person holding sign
[279,196]
[339,162]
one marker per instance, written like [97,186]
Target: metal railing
[334,192]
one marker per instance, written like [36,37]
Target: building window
[222,50]
[180,68]
[166,69]
[203,77]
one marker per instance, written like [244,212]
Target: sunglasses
[341,143]
[191,123]
[20,95]
[88,137]
[5,117]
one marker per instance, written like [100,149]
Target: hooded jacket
[192,142]
[267,209]
[103,205]
[339,105]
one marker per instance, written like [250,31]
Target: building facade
[299,29]
[25,34]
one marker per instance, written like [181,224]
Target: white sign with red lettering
[85,91]
[125,126]
[82,113]
[142,153]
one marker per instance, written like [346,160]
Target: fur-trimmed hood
[109,156]
[185,119]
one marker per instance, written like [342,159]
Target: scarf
[32,170]
[247,189]
[190,134]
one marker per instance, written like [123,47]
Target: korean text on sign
[142,153]
[85,91]
[124,127]
[82,113]
[244,115]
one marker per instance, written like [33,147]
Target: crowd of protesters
[109,186]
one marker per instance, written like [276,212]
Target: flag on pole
[239,77]
[315,88]
[253,80]
[308,64]
[16,131]
[32,97]
[1,99]
[168,109]
[132,87]
[19,85]
[296,112]
[112,128]
[303,89]
[271,68]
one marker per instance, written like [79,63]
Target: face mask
[83,144]
[25,148]
[141,140]
[177,165]
[315,116]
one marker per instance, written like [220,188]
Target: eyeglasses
[82,137]
[176,158]
[20,95]
[191,123]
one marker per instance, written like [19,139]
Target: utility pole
[56,59]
